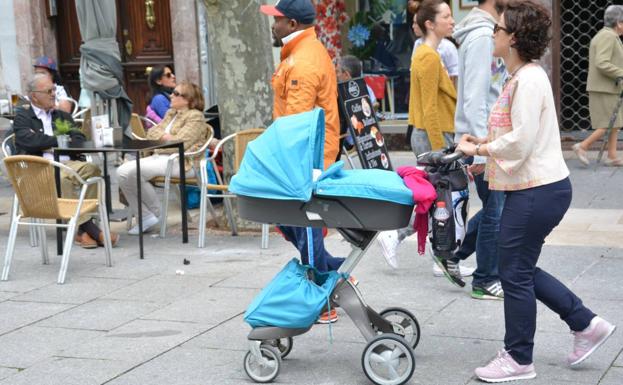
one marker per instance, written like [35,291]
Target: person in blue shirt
[161,82]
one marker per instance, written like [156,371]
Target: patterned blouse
[524,138]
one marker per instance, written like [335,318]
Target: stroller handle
[452,157]
[438,158]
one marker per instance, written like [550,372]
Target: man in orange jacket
[305,79]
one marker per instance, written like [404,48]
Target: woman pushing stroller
[525,160]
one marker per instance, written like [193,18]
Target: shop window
[380,35]
[579,22]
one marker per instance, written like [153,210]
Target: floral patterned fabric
[524,137]
[330,16]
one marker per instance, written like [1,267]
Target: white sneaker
[389,242]
[465,271]
[148,223]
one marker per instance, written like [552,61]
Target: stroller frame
[393,332]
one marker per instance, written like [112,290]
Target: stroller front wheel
[265,368]
[388,360]
[404,323]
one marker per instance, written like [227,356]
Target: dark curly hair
[531,23]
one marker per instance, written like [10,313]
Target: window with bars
[579,22]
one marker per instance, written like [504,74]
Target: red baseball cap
[270,10]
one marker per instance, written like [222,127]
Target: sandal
[618,162]
[580,153]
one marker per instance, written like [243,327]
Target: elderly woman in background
[184,121]
[605,67]
[525,161]
[161,84]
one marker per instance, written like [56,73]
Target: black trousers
[528,217]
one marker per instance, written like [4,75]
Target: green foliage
[63,127]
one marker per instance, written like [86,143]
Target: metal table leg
[59,230]
[107,184]
[182,165]
[140,203]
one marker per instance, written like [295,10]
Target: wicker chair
[167,180]
[138,128]
[36,198]
[241,140]
[6,152]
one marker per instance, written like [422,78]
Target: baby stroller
[276,183]
[446,172]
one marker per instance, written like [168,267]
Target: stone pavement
[141,323]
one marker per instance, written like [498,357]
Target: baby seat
[281,181]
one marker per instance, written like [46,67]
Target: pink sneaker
[589,339]
[504,368]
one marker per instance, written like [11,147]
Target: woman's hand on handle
[466,146]
[473,139]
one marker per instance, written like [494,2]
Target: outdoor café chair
[36,198]
[241,139]
[167,179]
[7,151]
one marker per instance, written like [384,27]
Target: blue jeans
[323,260]
[529,216]
[482,234]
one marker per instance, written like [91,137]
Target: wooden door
[144,37]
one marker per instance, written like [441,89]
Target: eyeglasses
[50,91]
[168,75]
[177,93]
[497,28]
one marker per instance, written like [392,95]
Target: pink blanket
[424,196]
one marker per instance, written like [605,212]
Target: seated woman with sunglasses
[161,84]
[184,121]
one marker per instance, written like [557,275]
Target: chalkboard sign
[357,110]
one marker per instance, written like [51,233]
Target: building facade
[178,36]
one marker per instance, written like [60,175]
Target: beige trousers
[70,186]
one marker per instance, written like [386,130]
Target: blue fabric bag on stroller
[292,299]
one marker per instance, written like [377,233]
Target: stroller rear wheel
[266,368]
[388,360]
[283,345]
[404,323]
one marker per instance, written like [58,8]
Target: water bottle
[441,227]
[441,212]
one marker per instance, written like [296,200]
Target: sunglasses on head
[497,28]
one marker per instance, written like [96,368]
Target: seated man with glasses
[34,127]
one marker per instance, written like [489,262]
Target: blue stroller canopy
[279,165]
[280,162]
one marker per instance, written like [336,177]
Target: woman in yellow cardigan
[432,99]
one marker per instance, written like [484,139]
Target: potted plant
[62,129]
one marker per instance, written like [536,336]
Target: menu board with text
[356,107]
